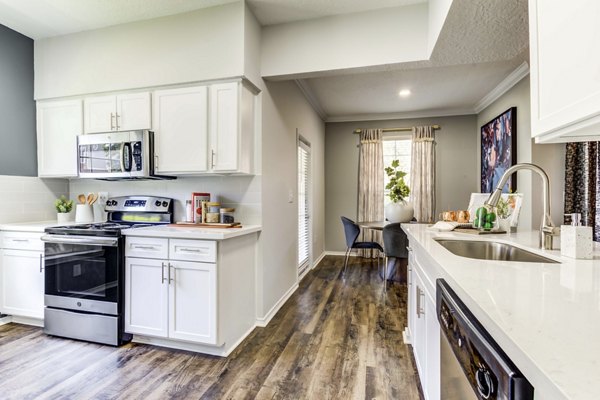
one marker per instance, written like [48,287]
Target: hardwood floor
[335,338]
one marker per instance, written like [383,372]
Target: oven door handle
[89,241]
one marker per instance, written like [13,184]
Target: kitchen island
[545,316]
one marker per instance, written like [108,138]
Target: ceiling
[481,43]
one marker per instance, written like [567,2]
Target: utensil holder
[84,213]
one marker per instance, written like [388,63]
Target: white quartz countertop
[37,226]
[188,232]
[546,317]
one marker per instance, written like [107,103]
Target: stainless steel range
[84,275]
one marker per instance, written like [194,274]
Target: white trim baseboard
[511,80]
[28,321]
[319,259]
[5,320]
[264,321]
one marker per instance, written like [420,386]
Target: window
[304,228]
[396,149]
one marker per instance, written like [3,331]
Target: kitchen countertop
[187,232]
[36,226]
[546,317]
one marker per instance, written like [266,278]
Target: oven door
[82,273]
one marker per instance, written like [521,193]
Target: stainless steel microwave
[117,155]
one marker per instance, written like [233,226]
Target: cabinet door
[133,112]
[181,130]
[193,302]
[419,337]
[22,289]
[58,124]
[99,114]
[146,297]
[224,126]
[565,89]
[432,350]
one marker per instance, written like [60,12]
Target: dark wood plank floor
[335,338]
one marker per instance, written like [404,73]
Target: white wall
[386,36]
[456,158]
[284,111]
[438,11]
[549,156]
[202,45]
[26,199]
[240,192]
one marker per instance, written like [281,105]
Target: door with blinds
[304,207]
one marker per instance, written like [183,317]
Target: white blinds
[303,206]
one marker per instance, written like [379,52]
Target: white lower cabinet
[22,287]
[423,327]
[170,298]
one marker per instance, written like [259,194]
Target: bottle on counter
[189,211]
[576,240]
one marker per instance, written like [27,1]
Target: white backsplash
[240,192]
[27,199]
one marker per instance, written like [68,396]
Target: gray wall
[551,157]
[457,176]
[18,154]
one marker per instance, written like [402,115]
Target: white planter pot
[399,212]
[63,217]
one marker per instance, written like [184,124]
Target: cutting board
[474,231]
[206,225]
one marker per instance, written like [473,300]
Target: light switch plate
[102,197]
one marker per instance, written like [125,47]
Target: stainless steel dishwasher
[472,364]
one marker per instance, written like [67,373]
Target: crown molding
[450,112]
[511,80]
[311,98]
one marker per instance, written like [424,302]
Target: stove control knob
[157,203]
[165,204]
[114,203]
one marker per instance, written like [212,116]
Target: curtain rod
[358,131]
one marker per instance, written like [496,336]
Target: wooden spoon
[81,198]
[90,197]
[94,198]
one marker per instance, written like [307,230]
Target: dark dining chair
[395,243]
[352,230]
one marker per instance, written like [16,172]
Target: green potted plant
[398,210]
[63,209]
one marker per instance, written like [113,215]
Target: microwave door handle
[126,157]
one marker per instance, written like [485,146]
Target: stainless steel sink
[483,250]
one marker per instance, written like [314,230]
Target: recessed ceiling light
[404,93]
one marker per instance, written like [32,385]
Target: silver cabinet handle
[162,272]
[420,310]
[409,275]
[112,126]
[41,263]
[169,267]
[156,163]
[191,250]
[20,240]
[212,159]
[117,116]
[135,246]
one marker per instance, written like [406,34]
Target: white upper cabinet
[58,124]
[122,112]
[231,128]
[565,82]
[181,130]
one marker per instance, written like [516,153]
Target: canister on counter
[212,217]
[227,215]
[213,207]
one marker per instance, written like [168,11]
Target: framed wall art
[499,151]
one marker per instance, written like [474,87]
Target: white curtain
[422,172]
[370,186]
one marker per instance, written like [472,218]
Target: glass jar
[227,215]
[485,219]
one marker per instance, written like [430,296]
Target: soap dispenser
[576,240]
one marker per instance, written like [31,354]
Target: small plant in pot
[63,209]
[399,210]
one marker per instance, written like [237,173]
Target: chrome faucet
[547,228]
